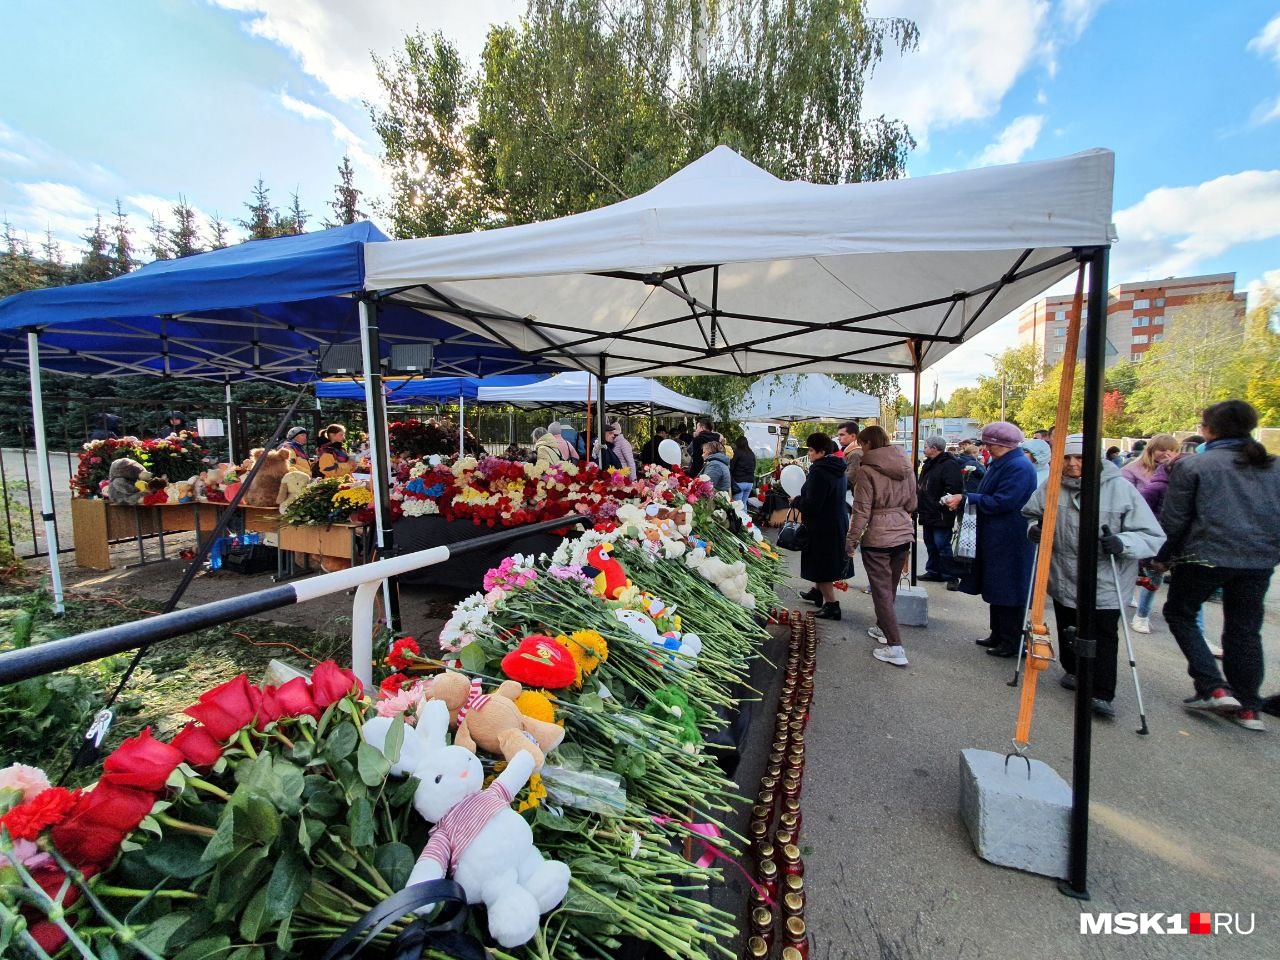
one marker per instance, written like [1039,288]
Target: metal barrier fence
[366,580]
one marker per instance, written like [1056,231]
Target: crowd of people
[1199,514]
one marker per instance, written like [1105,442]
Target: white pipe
[362,633]
[368,358]
[462,426]
[231,453]
[42,467]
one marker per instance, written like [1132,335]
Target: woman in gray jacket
[715,466]
[1134,534]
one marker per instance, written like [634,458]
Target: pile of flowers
[177,457]
[330,500]
[424,438]
[503,493]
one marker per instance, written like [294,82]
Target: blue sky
[146,100]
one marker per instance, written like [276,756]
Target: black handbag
[444,934]
[793,535]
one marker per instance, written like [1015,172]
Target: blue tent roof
[432,388]
[258,310]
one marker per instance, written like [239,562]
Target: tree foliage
[346,197]
[587,102]
[1018,369]
[184,235]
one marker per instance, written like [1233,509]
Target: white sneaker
[1133,601]
[895,655]
[875,633]
[1214,649]
[1141,624]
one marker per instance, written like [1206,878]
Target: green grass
[169,678]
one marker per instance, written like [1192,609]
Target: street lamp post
[1003,386]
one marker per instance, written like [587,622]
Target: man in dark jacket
[703,435]
[940,476]
[970,465]
[649,451]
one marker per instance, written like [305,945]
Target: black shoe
[928,577]
[829,611]
[1067,681]
[987,642]
[953,585]
[1103,708]
[813,596]
[1004,651]
[1271,705]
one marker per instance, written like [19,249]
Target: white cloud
[1267,42]
[1013,142]
[1265,112]
[1172,230]
[1076,15]
[352,143]
[332,41]
[1267,285]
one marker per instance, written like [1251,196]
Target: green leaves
[360,822]
[341,742]
[372,765]
[289,881]
[395,862]
[473,658]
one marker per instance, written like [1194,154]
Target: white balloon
[792,479]
[669,451]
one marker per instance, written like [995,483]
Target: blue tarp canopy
[255,311]
[430,388]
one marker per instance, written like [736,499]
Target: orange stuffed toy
[610,578]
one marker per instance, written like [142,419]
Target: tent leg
[379,452]
[601,380]
[462,426]
[1095,359]
[915,453]
[42,468]
[231,455]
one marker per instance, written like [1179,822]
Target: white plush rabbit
[485,845]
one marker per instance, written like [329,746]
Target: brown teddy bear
[493,722]
[128,481]
[266,484]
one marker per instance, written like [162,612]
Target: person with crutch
[1132,533]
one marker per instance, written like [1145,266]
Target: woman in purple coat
[1001,570]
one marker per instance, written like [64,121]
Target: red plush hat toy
[540,662]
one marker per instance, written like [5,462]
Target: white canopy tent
[633,394]
[798,397]
[723,268]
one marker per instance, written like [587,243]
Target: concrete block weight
[1013,820]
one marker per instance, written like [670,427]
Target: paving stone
[1013,820]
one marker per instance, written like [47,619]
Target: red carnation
[226,709]
[142,762]
[330,683]
[294,699]
[396,658]
[100,821]
[198,748]
[392,684]
[28,820]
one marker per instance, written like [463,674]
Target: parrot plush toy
[610,578]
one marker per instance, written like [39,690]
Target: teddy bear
[265,489]
[687,645]
[123,478]
[477,838]
[492,721]
[291,484]
[729,578]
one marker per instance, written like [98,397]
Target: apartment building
[1138,314]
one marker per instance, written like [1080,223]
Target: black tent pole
[601,380]
[915,451]
[1095,359]
[379,447]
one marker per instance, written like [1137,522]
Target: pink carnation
[30,780]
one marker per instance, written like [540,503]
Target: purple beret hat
[1002,433]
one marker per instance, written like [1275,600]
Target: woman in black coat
[826,521]
[742,470]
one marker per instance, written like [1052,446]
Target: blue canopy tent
[261,310]
[430,388]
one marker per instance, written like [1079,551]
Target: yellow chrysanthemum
[353,497]
[593,645]
[537,793]
[536,706]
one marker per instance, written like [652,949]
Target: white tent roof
[620,393]
[811,396]
[723,268]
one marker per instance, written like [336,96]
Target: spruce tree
[53,266]
[19,269]
[122,258]
[217,233]
[263,218]
[296,221]
[346,198]
[159,245]
[184,238]
[95,262]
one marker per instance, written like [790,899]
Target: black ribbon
[444,933]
